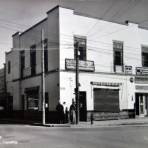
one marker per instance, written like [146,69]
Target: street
[26,136]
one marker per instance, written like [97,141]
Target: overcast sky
[18,15]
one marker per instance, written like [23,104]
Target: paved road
[23,136]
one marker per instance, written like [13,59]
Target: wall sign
[70,64]
[111,84]
[141,70]
[128,69]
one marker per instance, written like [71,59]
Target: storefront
[141,96]
[32,98]
[141,105]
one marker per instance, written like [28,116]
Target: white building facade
[113,66]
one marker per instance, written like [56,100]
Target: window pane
[9,67]
[33,59]
[144,56]
[82,48]
[118,53]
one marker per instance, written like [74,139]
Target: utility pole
[77,82]
[43,78]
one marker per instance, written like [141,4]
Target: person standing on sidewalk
[60,111]
[73,112]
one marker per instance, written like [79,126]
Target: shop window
[32,95]
[82,47]
[32,103]
[145,56]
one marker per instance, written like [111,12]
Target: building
[113,66]
[2,89]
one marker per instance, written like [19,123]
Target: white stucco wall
[67,85]
[100,35]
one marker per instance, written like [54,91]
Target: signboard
[128,69]
[111,84]
[141,70]
[70,64]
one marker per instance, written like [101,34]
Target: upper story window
[33,59]
[9,67]
[82,47]
[22,61]
[118,53]
[46,55]
[144,56]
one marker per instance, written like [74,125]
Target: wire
[11,22]
[129,7]
[121,9]
[111,6]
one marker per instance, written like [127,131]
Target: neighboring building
[2,89]
[113,65]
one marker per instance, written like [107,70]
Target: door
[141,104]
[82,107]
[106,100]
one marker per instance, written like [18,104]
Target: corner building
[113,64]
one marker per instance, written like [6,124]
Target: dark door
[82,103]
[10,103]
[106,100]
[137,104]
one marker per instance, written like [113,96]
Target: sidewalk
[108,123]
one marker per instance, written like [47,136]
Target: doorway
[82,106]
[141,104]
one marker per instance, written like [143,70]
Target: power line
[11,22]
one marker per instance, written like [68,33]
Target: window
[32,103]
[22,61]
[46,55]
[9,67]
[82,48]
[145,56]
[32,97]
[33,59]
[118,54]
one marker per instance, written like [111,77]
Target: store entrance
[141,104]
[82,106]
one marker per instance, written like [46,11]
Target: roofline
[80,14]
[8,52]
[125,23]
[33,26]
[101,19]
[57,6]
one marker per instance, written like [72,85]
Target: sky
[18,15]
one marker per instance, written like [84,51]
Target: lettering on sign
[70,64]
[141,70]
[128,69]
[106,84]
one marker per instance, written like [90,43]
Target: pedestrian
[60,112]
[73,112]
[92,118]
[66,115]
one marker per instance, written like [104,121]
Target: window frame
[81,38]
[9,67]
[33,65]
[122,54]
[146,52]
